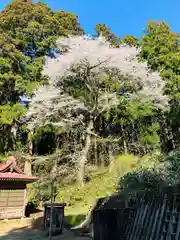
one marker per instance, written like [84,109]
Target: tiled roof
[10,171]
[5,166]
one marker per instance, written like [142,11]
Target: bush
[141,181]
[39,192]
[173,167]
[30,208]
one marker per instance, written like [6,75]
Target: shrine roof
[9,171]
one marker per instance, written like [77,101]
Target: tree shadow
[23,233]
[31,209]
[36,231]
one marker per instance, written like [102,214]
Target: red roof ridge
[5,166]
[11,163]
[15,172]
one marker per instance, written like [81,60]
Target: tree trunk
[28,167]
[110,153]
[88,220]
[28,163]
[30,144]
[169,136]
[172,138]
[9,138]
[83,158]
[95,152]
[124,140]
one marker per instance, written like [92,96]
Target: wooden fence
[112,223]
[156,217]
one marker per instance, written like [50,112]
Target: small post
[53,180]
[51,213]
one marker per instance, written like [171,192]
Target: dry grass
[18,225]
[8,225]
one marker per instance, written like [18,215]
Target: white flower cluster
[50,102]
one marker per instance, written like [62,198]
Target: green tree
[105,31]
[159,41]
[160,48]
[28,32]
[131,41]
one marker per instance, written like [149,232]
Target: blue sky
[123,17]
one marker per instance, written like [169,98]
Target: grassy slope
[103,183]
